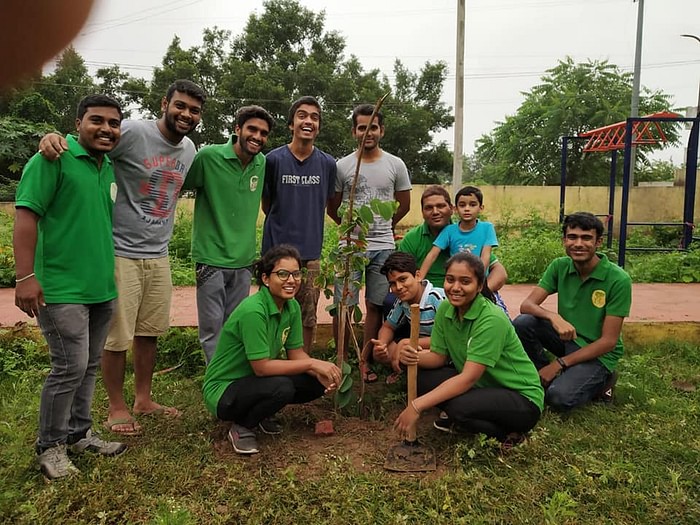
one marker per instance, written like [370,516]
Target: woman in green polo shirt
[250,379]
[491,387]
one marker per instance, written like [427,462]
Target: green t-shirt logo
[598,298]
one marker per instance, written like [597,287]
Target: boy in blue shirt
[469,235]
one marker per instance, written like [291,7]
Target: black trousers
[250,400]
[495,412]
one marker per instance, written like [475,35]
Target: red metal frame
[612,137]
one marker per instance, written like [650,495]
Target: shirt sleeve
[268,191]
[487,338]
[40,181]
[619,301]
[437,337]
[443,239]
[491,239]
[333,173]
[255,335]
[549,279]
[296,335]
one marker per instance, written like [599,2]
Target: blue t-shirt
[429,302]
[297,192]
[483,234]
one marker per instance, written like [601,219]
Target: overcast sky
[509,43]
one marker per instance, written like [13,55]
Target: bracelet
[562,363]
[413,405]
[25,277]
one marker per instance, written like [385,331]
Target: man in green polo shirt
[228,179]
[64,257]
[594,296]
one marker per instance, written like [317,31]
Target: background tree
[572,98]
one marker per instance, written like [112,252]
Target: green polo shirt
[226,206]
[256,330]
[418,242]
[585,304]
[74,257]
[486,336]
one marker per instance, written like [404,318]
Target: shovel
[411,455]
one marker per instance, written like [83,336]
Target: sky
[509,43]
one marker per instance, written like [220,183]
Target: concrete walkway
[651,303]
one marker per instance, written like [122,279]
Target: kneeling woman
[493,387]
[249,380]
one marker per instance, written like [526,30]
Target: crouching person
[493,387]
[64,256]
[250,378]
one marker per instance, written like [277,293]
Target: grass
[636,461]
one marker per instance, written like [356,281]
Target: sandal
[123,426]
[368,376]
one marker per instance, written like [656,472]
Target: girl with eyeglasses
[260,365]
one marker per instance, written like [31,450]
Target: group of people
[94,218]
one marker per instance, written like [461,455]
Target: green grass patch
[636,461]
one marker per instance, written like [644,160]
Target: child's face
[468,208]
[405,285]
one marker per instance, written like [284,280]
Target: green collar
[600,270]
[77,150]
[474,310]
[230,153]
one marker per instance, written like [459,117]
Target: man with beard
[228,179]
[64,257]
[382,176]
[299,181]
[150,164]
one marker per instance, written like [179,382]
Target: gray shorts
[376,285]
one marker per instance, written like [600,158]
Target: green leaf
[366,214]
[356,314]
[346,368]
[343,398]
[346,384]
[386,210]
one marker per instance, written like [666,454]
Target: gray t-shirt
[377,180]
[149,171]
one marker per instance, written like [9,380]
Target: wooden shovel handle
[412,376]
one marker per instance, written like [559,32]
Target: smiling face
[181,115]
[252,137]
[406,286]
[581,245]
[283,289]
[99,130]
[461,286]
[307,122]
[437,212]
[374,135]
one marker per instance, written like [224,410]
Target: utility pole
[636,80]
[459,100]
[697,108]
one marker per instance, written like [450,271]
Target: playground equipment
[644,131]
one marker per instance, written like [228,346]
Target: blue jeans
[219,291]
[76,335]
[575,386]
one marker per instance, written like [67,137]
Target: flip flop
[393,378]
[111,424]
[368,376]
[163,411]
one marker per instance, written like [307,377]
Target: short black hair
[92,101]
[246,113]
[585,221]
[470,190]
[266,264]
[187,87]
[366,110]
[399,262]
[432,191]
[309,101]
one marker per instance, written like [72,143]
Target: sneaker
[271,426]
[607,392]
[93,443]
[243,440]
[511,441]
[444,424]
[54,463]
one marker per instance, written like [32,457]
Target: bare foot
[122,423]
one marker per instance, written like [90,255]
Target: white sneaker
[93,443]
[55,463]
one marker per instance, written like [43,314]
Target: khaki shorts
[308,293]
[143,306]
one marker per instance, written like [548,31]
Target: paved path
[651,303]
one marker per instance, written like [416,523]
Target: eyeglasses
[285,274]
